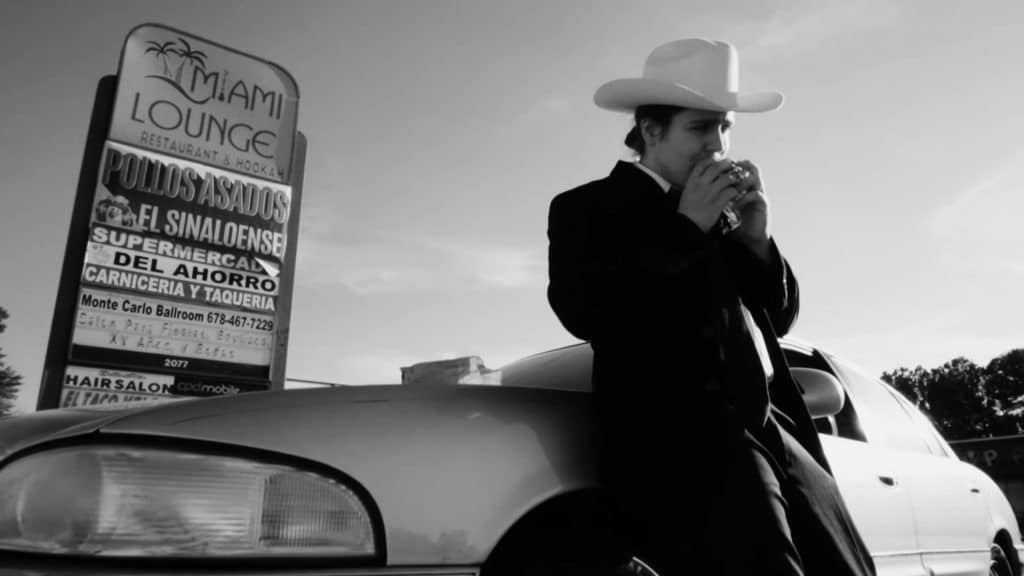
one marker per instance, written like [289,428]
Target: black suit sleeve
[622,274]
[770,286]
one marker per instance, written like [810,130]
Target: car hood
[448,466]
[24,430]
[326,425]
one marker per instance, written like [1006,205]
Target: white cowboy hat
[691,73]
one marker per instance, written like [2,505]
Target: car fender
[451,469]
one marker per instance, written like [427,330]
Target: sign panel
[103,387]
[194,99]
[154,194]
[179,266]
[125,329]
[166,275]
[93,386]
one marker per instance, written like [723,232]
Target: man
[704,437]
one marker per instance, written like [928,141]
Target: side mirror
[823,394]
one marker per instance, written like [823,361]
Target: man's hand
[707,192]
[752,209]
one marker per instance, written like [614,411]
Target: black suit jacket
[655,296]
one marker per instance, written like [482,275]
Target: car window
[884,420]
[936,443]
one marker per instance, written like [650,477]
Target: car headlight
[137,501]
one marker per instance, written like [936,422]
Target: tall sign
[180,260]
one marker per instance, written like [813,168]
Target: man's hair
[660,114]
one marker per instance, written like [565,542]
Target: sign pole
[74,250]
[284,311]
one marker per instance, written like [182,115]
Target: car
[458,471]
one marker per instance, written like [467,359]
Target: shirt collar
[665,184]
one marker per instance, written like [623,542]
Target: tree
[965,400]
[1006,379]
[1005,388]
[955,398]
[9,379]
[910,383]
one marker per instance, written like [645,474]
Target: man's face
[692,136]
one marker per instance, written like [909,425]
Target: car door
[949,512]
[955,537]
[875,495]
[879,503]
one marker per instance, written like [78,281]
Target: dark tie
[742,371]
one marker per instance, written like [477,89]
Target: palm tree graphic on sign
[196,58]
[161,51]
[187,56]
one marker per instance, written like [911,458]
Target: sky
[440,130]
